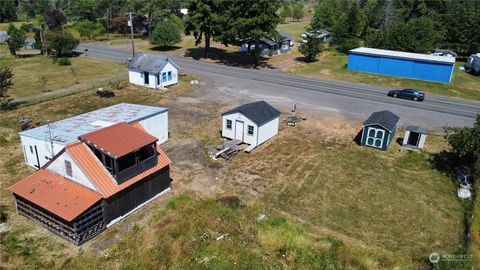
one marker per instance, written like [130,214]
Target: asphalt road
[350,100]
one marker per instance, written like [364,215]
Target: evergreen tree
[6,75]
[250,19]
[204,21]
[166,33]
[311,48]
[16,39]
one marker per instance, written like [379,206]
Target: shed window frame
[164,76]
[250,130]
[31,149]
[229,124]
[169,75]
[68,168]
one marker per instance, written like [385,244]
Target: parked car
[407,93]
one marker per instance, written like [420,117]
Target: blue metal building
[402,64]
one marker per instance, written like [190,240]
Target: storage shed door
[239,130]
[375,137]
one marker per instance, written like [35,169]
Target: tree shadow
[165,48]
[358,138]
[7,105]
[447,162]
[228,58]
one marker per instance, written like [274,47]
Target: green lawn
[295,29]
[29,70]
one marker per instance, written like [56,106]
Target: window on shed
[146,152]
[31,149]
[126,162]
[250,130]
[68,168]
[164,76]
[229,124]
[169,75]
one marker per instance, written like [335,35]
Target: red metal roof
[100,177]
[56,194]
[119,139]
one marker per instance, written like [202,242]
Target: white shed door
[239,130]
[375,137]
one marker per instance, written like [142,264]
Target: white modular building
[252,123]
[153,71]
[40,144]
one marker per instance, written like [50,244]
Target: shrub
[64,61]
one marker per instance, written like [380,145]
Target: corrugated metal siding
[100,177]
[404,68]
[157,126]
[119,139]
[55,194]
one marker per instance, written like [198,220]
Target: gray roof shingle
[386,119]
[259,112]
[149,62]
[417,129]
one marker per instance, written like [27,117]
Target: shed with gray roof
[153,71]
[252,123]
[379,129]
[414,137]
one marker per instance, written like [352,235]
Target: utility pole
[130,23]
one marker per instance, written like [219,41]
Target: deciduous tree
[297,12]
[54,19]
[166,33]
[285,12]
[8,11]
[61,42]
[90,29]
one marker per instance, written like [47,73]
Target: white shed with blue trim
[252,123]
[154,71]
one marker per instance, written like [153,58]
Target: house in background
[278,44]
[414,137]
[153,71]
[93,183]
[402,64]
[322,34]
[40,144]
[379,129]
[252,123]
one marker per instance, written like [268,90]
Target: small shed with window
[414,137]
[252,123]
[154,71]
[379,129]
